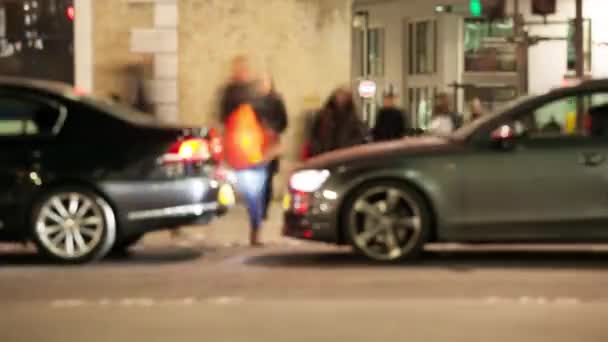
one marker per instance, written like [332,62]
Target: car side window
[558,118]
[25,117]
[554,119]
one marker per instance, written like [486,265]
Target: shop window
[490,97]
[375,51]
[422,47]
[421,105]
[486,48]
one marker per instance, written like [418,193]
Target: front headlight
[308,180]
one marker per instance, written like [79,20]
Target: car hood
[409,145]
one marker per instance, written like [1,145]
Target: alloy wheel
[385,223]
[70,225]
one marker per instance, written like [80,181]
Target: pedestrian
[477,109]
[240,88]
[271,107]
[445,120]
[390,122]
[249,142]
[338,124]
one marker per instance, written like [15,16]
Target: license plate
[287,202]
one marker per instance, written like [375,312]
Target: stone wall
[112,24]
[305,44]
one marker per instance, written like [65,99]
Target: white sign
[367,89]
[153,40]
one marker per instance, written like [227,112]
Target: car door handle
[592,159]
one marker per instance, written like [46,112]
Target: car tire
[387,221]
[73,225]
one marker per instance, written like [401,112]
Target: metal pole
[578,39]
[580,59]
[521,49]
[366,113]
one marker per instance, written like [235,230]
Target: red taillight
[307,234]
[301,202]
[188,150]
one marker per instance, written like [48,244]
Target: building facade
[421,50]
[37,39]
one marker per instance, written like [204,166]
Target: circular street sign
[367,89]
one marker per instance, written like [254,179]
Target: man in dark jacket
[391,121]
[270,107]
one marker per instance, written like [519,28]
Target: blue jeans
[251,184]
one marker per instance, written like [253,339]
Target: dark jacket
[333,131]
[390,124]
[272,113]
[234,95]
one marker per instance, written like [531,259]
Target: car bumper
[144,206]
[317,223]
[306,227]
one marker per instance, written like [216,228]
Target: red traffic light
[70,12]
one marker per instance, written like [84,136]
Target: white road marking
[527,300]
[137,302]
[181,301]
[226,300]
[67,303]
[567,301]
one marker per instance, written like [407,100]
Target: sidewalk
[229,230]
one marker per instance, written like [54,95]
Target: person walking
[271,107]
[390,122]
[338,124]
[443,122]
[249,142]
[477,110]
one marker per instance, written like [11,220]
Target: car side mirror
[503,138]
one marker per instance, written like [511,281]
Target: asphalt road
[204,290]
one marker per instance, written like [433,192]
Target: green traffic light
[475,8]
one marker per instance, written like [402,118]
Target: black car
[534,172]
[80,176]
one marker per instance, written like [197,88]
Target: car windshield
[465,131]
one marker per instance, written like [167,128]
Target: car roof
[52,87]
[588,85]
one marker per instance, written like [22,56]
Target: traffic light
[490,9]
[493,9]
[544,7]
[475,8]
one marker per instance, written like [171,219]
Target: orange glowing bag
[245,138]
